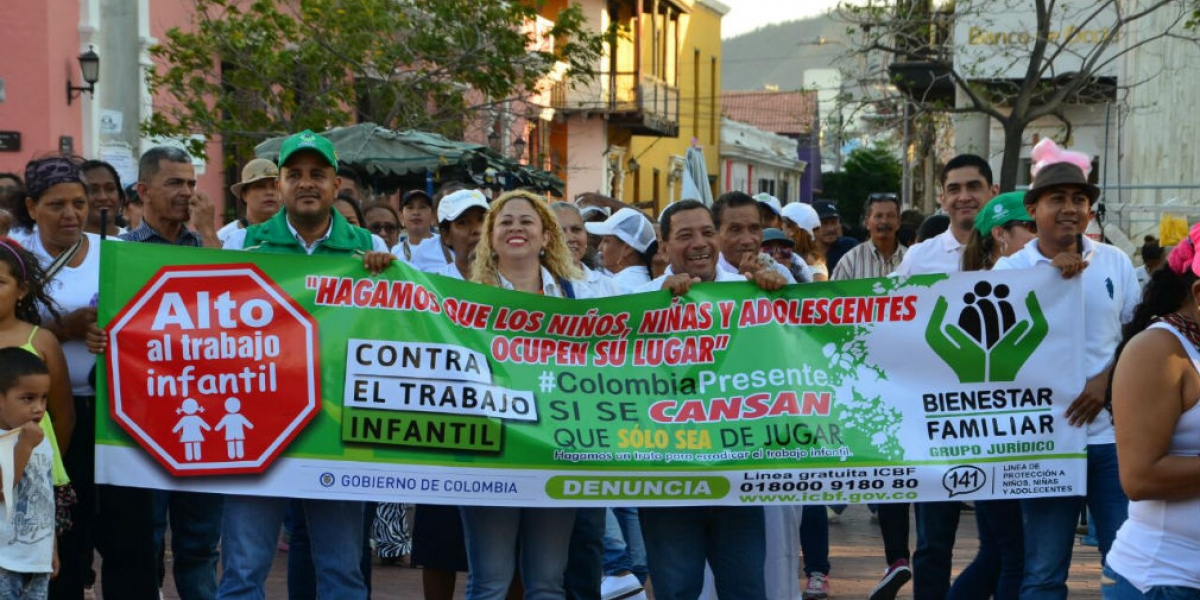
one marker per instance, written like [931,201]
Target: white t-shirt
[27,541]
[602,285]
[72,288]
[631,278]
[550,286]
[939,254]
[228,228]
[428,256]
[450,270]
[1110,295]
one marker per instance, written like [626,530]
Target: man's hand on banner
[376,262]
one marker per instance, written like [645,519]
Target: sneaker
[834,516]
[619,587]
[893,579]
[817,588]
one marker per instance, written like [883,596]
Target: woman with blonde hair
[522,249]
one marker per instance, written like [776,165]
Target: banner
[305,376]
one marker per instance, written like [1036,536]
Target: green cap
[307,140]
[1000,210]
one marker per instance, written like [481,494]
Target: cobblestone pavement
[856,553]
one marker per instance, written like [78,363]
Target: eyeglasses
[383,227]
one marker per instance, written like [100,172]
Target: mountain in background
[778,55]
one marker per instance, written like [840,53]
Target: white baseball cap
[452,206]
[629,226]
[803,215]
[772,202]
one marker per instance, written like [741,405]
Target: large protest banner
[302,376]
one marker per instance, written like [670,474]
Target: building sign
[993,39]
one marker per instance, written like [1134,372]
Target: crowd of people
[1143,473]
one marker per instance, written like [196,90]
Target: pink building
[42,40]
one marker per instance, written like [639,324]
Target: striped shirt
[865,261]
[146,233]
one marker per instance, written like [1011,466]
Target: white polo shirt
[939,254]
[1110,295]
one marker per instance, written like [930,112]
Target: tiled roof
[784,113]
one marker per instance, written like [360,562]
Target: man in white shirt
[1060,202]
[740,234]
[679,539]
[966,187]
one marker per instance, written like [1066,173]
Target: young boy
[27,517]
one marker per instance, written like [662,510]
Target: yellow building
[625,133]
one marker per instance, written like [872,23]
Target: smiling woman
[105,197]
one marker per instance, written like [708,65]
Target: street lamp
[89,64]
[519,148]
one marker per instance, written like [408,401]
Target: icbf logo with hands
[984,338]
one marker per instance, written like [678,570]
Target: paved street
[856,553]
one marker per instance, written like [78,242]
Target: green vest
[273,235]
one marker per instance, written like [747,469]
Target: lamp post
[519,149]
[89,65]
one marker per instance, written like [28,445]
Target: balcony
[643,104]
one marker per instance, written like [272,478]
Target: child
[27,538]
[22,292]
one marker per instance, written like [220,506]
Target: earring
[542,253]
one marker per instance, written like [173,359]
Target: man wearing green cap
[308,183]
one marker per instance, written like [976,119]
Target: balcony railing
[645,103]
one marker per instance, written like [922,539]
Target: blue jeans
[585,556]
[496,535]
[1115,587]
[814,539]
[1050,525]
[624,549]
[250,534]
[1000,564]
[24,586]
[195,521]
[301,576]
[679,540]
[937,526]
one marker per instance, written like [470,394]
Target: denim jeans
[624,549]
[937,526]
[502,539]
[814,539]
[250,534]
[1000,564]
[1115,587]
[195,522]
[585,556]
[893,525]
[24,586]
[1050,525]
[679,540]
[301,575]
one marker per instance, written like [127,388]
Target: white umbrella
[695,177]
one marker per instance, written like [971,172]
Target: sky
[748,15]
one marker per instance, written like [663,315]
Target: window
[766,186]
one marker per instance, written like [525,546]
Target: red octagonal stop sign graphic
[213,369]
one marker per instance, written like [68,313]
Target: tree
[249,70]
[1016,77]
[867,170]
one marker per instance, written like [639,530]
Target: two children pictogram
[191,427]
